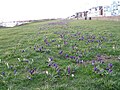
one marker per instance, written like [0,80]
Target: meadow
[61,55]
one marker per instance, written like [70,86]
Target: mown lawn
[61,55]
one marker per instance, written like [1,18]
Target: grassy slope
[14,40]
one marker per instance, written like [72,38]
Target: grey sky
[40,9]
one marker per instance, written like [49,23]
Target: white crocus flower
[49,59]
[19,59]
[72,75]
[113,46]
[7,64]
[119,58]
[46,72]
[0,61]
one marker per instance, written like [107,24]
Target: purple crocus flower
[23,51]
[48,44]
[25,60]
[3,73]
[93,37]
[80,55]
[15,72]
[111,34]
[110,70]
[98,55]
[95,69]
[92,40]
[77,61]
[102,62]
[93,62]
[82,38]
[61,36]
[11,67]
[65,43]
[53,40]
[81,61]
[58,71]
[72,57]
[87,42]
[34,48]
[60,52]
[50,64]
[73,47]
[107,69]
[55,65]
[68,70]
[99,58]
[110,65]
[32,71]
[39,49]
[98,41]
[45,40]
[50,59]
[66,55]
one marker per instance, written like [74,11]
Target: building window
[95,9]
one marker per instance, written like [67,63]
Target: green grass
[19,53]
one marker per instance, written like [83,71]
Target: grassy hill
[61,55]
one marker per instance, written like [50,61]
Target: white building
[107,10]
[95,11]
[115,8]
[101,11]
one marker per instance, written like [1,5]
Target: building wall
[115,6]
[109,18]
[107,11]
[111,10]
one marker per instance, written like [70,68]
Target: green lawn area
[61,55]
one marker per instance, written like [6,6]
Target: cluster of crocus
[109,67]
[39,49]
[54,65]
[82,38]
[100,58]
[103,71]
[32,71]
[50,59]
[68,70]
[64,22]
[72,57]
[72,46]
[46,42]
[96,69]
[79,61]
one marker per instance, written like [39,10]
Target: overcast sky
[40,9]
